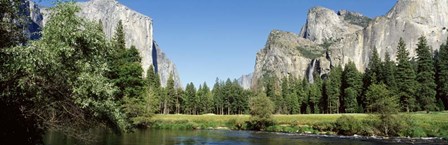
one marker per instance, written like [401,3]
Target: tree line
[419,84]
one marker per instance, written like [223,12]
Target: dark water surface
[215,137]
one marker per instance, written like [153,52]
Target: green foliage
[119,37]
[12,23]
[169,98]
[17,125]
[314,95]
[333,89]
[311,53]
[63,76]
[152,78]
[426,91]
[237,124]
[347,125]
[261,108]
[190,97]
[389,71]
[385,105]
[351,86]
[292,95]
[350,103]
[442,74]
[405,78]
[357,20]
[377,98]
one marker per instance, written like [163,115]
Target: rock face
[35,19]
[245,81]
[164,66]
[138,32]
[340,37]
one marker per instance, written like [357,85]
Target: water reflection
[211,137]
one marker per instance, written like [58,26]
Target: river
[215,137]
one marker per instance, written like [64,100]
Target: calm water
[213,137]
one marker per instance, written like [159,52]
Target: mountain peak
[431,12]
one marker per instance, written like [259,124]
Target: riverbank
[420,125]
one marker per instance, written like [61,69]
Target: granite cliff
[332,38]
[138,31]
[245,81]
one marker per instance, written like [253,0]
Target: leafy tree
[426,91]
[62,76]
[17,126]
[261,108]
[385,105]
[351,86]
[12,23]
[405,78]
[333,89]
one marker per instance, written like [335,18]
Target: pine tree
[285,94]
[425,76]
[169,100]
[405,78]
[315,94]
[119,37]
[206,99]
[373,75]
[218,97]
[293,100]
[190,94]
[304,97]
[389,68]
[442,67]
[150,77]
[351,87]
[333,89]
[374,68]
[273,92]
[180,105]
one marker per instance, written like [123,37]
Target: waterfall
[311,68]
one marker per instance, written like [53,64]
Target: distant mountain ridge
[332,38]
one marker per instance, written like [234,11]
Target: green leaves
[63,75]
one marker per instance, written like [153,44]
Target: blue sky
[207,39]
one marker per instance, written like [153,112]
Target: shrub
[259,124]
[324,126]
[261,108]
[236,124]
[347,125]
